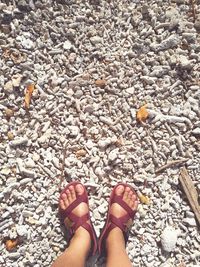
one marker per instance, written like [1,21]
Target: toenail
[71,187]
[120,187]
[79,187]
[63,195]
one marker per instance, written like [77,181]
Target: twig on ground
[63,167]
[193,9]
[170,164]
[190,191]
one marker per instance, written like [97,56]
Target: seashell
[169,238]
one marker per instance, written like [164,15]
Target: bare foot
[69,197]
[129,197]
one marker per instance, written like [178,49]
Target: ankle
[115,239]
[83,236]
[81,242]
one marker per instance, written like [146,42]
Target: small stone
[5,171]
[100,83]
[21,230]
[184,62]
[23,6]
[168,239]
[102,209]
[16,80]
[141,211]
[170,42]
[26,42]
[146,249]
[56,249]
[67,45]
[190,221]
[130,90]
[96,40]
[97,215]
[80,153]
[29,163]
[74,130]
[19,141]
[36,157]
[189,214]
[197,24]
[45,137]
[9,113]
[56,162]
[27,173]
[10,136]
[113,155]
[8,87]
[148,80]
[196,131]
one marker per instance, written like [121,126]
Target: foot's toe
[73,193]
[65,200]
[69,196]
[79,189]
[135,204]
[62,204]
[126,192]
[119,190]
[130,194]
[134,197]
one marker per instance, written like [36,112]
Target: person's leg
[76,254]
[115,243]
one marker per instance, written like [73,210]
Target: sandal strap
[65,213]
[121,222]
[82,221]
[78,221]
[120,201]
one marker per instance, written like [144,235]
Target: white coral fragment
[168,239]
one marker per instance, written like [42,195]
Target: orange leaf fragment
[11,244]
[28,94]
[143,199]
[142,114]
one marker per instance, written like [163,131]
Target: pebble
[19,141]
[170,42]
[96,40]
[16,80]
[8,87]
[113,155]
[21,230]
[190,221]
[67,45]
[196,131]
[74,130]
[169,239]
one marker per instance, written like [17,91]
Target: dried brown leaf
[28,94]
[142,114]
[11,244]
[120,141]
[80,153]
[143,199]
[100,83]
[6,53]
